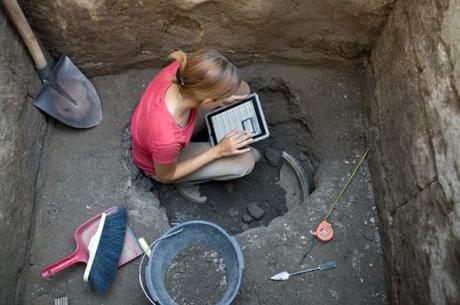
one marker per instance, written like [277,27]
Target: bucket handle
[147,252]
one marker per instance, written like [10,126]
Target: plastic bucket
[194,231]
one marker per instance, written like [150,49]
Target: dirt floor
[314,114]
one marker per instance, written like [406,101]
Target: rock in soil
[233,212]
[255,211]
[196,276]
[246,218]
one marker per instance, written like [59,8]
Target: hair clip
[179,78]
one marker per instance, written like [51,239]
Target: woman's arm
[233,143]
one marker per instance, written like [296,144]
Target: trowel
[284,276]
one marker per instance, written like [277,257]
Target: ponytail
[181,57]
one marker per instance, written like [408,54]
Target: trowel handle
[327,266]
[322,267]
[23,27]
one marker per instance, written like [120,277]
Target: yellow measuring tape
[324,231]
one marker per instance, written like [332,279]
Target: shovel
[66,94]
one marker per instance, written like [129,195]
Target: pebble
[371,265]
[255,211]
[372,220]
[246,218]
[272,156]
[365,222]
[233,212]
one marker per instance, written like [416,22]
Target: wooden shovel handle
[16,14]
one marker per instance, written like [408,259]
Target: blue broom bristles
[109,250]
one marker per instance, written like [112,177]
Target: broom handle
[16,14]
[61,265]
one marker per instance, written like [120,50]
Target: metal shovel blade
[69,97]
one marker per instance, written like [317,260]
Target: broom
[105,250]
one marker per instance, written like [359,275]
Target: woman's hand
[233,143]
[232,99]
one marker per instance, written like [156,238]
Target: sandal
[191,193]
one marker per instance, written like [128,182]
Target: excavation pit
[317,125]
[254,200]
[336,78]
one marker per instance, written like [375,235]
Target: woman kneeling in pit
[172,109]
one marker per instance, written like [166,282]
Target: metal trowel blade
[282,276]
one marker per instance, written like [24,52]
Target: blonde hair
[206,73]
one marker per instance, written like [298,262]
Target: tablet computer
[246,115]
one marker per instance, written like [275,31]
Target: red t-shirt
[156,137]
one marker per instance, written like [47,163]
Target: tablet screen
[245,115]
[242,117]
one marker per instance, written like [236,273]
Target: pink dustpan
[83,234]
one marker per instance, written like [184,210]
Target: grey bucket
[194,231]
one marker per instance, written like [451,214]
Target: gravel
[196,276]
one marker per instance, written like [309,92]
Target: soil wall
[106,36]
[413,112]
[22,128]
